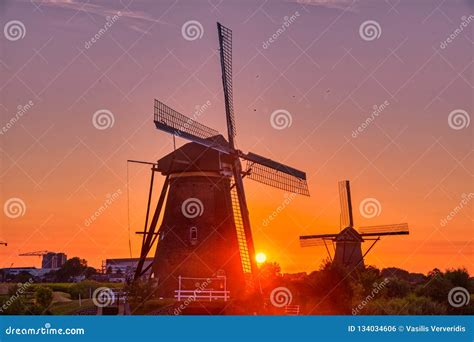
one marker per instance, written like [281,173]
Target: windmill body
[349,249]
[198,236]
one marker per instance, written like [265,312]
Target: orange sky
[320,70]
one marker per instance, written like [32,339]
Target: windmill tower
[205,228]
[348,242]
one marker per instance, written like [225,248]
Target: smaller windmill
[348,249]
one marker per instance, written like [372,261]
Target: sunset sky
[414,158]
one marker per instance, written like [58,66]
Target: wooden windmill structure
[205,230]
[348,249]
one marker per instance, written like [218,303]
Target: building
[53,260]
[119,270]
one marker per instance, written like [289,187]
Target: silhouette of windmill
[205,230]
[348,250]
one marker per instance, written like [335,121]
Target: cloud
[135,17]
[345,5]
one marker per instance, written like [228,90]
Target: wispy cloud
[345,5]
[134,17]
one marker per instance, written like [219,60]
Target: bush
[43,296]
[410,305]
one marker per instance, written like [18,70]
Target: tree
[73,267]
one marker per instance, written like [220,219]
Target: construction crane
[37,253]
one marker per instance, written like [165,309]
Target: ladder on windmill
[239,225]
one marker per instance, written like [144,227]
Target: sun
[260,257]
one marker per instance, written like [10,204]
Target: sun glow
[260,257]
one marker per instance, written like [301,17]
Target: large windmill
[205,230]
[348,250]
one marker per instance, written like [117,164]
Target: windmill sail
[171,121]
[275,174]
[388,229]
[346,204]
[225,45]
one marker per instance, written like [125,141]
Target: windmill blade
[316,240]
[225,45]
[171,121]
[388,229]
[346,204]
[275,174]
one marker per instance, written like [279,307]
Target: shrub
[43,296]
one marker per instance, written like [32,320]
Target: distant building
[53,260]
[35,272]
[119,270]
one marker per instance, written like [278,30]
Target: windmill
[205,230]
[348,250]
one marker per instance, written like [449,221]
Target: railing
[209,295]
[201,293]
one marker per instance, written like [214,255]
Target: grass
[70,308]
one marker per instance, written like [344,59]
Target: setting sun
[260,257]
